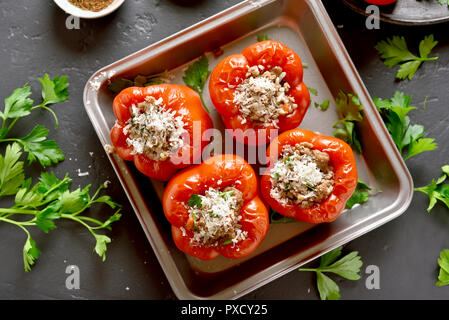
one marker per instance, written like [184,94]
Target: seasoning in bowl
[92,5]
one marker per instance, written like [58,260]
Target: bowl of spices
[89,9]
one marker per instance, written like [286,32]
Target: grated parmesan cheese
[215,221]
[302,175]
[263,97]
[154,131]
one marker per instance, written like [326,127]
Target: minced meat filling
[263,96]
[214,217]
[302,175]
[154,131]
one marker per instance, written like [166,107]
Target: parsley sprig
[347,267]
[436,190]
[394,51]
[406,136]
[195,201]
[46,201]
[360,195]
[443,262]
[323,105]
[196,75]
[20,105]
[350,111]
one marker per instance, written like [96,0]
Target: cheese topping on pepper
[302,175]
[154,131]
[263,96]
[214,217]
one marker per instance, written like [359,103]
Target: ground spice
[92,5]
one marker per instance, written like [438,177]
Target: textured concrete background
[34,40]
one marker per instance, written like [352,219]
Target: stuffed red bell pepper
[260,91]
[155,128]
[214,209]
[310,176]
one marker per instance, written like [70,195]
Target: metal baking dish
[304,26]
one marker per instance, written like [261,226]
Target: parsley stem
[17,223]
[85,219]
[43,106]
[96,193]
[9,127]
[12,140]
[18,211]
[428,59]
[79,220]
[308,269]
[55,187]
[204,103]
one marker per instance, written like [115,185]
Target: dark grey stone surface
[34,40]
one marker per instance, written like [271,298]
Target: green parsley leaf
[226,194]
[74,201]
[44,219]
[30,253]
[101,245]
[426,46]
[229,241]
[323,106]
[327,287]
[262,37]
[18,104]
[360,195]
[347,267]
[54,91]
[11,170]
[350,110]
[445,174]
[408,137]
[330,257]
[49,184]
[436,190]
[444,2]
[443,262]
[196,75]
[195,201]
[45,151]
[28,197]
[420,145]
[313,91]
[394,51]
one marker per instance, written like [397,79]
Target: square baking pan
[305,27]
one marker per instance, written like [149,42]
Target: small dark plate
[407,12]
